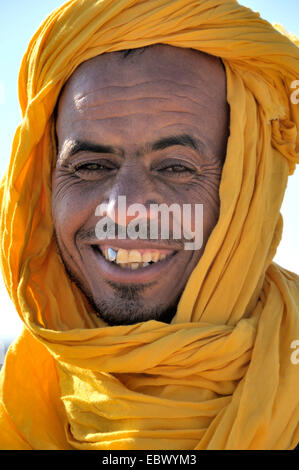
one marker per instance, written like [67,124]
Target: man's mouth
[133,259]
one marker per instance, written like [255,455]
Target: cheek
[204,191]
[72,205]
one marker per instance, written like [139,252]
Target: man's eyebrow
[183,139]
[75,146]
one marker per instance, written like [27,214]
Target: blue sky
[19,20]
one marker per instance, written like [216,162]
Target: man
[141,343]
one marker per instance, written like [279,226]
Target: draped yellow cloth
[220,376]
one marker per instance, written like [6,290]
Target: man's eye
[93,168]
[176,169]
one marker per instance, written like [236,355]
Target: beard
[126,307]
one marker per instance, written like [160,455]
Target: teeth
[133,258]
[122,256]
[124,265]
[134,265]
[111,254]
[155,256]
[147,257]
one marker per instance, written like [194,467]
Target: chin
[129,312]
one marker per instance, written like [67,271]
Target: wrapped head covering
[220,376]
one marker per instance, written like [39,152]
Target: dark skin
[152,127]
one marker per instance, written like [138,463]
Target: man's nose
[132,196]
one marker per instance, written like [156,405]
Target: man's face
[151,127]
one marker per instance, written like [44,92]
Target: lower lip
[115,273]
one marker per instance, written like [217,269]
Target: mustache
[89,235]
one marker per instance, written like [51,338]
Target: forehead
[173,67]
[152,88]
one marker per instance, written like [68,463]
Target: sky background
[18,21]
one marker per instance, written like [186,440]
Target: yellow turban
[221,375]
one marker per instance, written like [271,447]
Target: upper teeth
[134,258]
[111,254]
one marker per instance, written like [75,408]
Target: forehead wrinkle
[141,90]
[127,107]
[133,114]
[135,86]
[114,102]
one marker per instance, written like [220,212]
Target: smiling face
[151,127]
